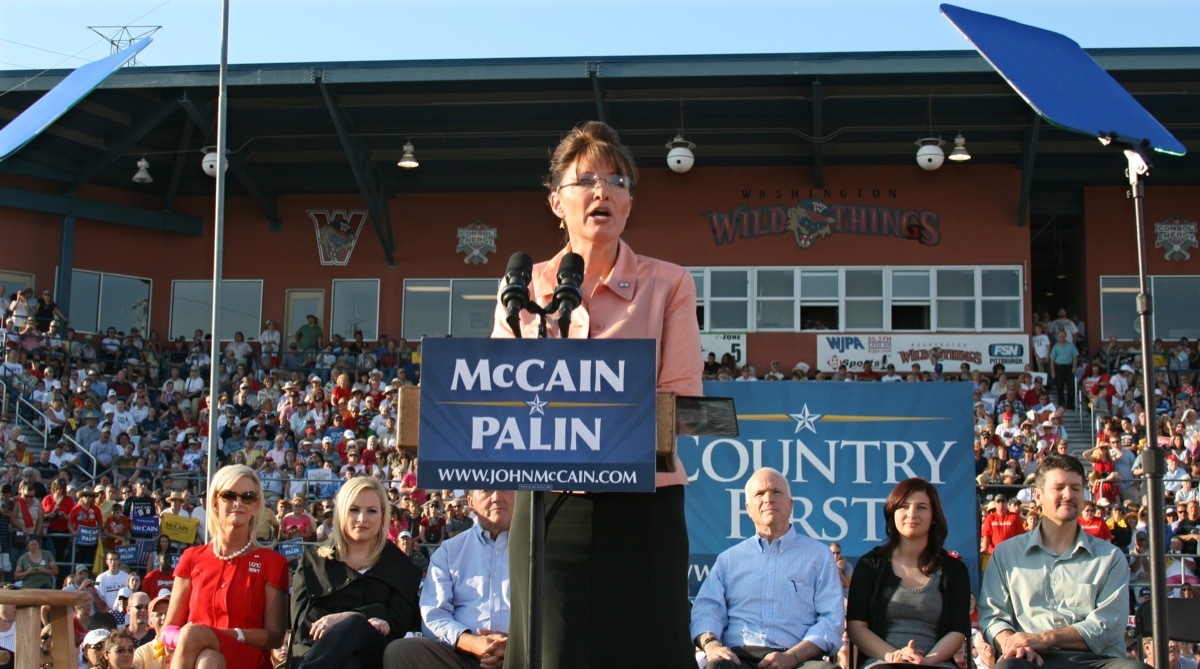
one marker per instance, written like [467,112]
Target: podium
[579,415]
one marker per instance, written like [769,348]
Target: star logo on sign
[805,420]
[537,406]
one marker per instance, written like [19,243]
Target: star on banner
[805,420]
[537,406]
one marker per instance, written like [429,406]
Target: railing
[30,416]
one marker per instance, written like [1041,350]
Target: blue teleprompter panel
[1062,83]
[43,113]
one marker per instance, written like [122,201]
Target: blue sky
[37,34]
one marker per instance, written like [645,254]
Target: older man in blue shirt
[465,599]
[774,601]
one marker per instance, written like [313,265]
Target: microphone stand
[537,530]
[537,506]
[537,541]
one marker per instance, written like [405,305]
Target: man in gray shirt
[1056,596]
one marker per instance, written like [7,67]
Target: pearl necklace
[232,556]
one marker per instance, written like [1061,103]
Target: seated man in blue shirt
[465,599]
[1057,597]
[774,601]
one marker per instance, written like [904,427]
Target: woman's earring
[562,224]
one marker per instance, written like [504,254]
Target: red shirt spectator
[1093,524]
[57,511]
[1003,523]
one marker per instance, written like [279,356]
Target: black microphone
[567,294]
[515,294]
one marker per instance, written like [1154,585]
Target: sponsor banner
[729,342]
[145,524]
[978,351]
[550,414]
[842,447]
[180,528]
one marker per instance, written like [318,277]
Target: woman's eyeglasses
[618,182]
[245,497]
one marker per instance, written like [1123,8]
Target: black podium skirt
[616,589]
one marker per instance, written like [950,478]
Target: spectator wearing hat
[415,552]
[93,647]
[890,375]
[152,655]
[84,524]
[774,373]
[354,466]
[104,449]
[1002,522]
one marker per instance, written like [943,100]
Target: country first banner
[538,414]
[842,447]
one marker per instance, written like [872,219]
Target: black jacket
[387,590]
[874,583]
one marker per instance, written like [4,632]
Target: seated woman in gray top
[909,600]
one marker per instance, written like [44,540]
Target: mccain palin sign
[842,447]
[538,414]
[978,351]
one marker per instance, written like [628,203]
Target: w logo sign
[337,233]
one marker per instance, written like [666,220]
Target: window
[729,303]
[911,307]
[241,308]
[11,282]
[100,301]
[918,299]
[472,307]
[449,307]
[1001,299]
[956,299]
[819,301]
[355,308]
[775,300]
[1173,298]
[864,299]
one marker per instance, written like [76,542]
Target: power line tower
[121,37]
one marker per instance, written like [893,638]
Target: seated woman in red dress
[230,595]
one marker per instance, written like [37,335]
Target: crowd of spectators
[119,422]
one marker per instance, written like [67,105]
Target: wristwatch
[241,636]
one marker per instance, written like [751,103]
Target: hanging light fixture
[679,155]
[143,172]
[959,153]
[408,160]
[930,155]
[209,162]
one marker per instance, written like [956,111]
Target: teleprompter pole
[1152,456]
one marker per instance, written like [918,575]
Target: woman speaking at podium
[604,593]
